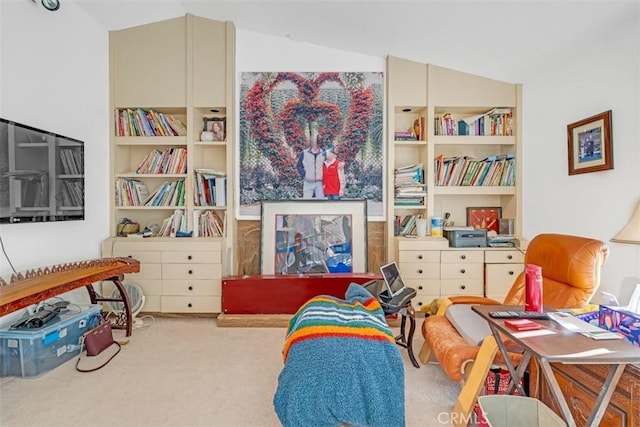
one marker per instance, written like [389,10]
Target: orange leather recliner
[570,272]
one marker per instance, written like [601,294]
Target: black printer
[466,238]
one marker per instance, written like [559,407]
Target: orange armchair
[570,272]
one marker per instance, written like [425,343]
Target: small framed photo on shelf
[217,127]
[484,218]
[589,144]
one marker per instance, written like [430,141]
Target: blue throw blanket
[341,365]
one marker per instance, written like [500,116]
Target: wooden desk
[33,286]
[566,347]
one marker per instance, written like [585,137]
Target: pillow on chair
[473,328]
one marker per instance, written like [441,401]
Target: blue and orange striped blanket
[341,365]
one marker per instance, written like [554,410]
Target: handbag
[96,341]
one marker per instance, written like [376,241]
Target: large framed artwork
[290,121]
[313,236]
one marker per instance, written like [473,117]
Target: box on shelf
[625,322]
[32,352]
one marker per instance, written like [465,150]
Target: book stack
[404,136]
[409,186]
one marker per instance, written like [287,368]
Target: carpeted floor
[189,372]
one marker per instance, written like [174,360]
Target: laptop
[397,290]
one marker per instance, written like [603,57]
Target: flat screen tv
[41,175]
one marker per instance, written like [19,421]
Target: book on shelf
[140,122]
[495,122]
[210,187]
[207,223]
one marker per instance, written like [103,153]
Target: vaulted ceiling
[451,33]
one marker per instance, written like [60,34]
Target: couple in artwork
[321,171]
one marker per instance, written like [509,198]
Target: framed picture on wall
[589,144]
[484,218]
[313,236]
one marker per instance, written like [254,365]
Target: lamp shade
[631,232]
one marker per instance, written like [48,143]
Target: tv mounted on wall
[41,175]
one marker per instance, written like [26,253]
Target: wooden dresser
[580,385]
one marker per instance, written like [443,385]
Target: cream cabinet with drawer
[462,272]
[177,276]
[419,264]
[501,269]
[435,270]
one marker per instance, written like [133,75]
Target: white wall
[54,76]
[602,73]
[63,87]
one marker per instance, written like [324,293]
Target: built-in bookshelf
[170,146]
[170,80]
[465,131]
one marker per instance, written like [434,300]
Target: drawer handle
[463,271]
[511,273]
[189,305]
[463,257]
[420,303]
[463,287]
[419,256]
[420,271]
[190,271]
[509,256]
[189,257]
[190,288]
[420,287]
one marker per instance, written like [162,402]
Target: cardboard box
[508,410]
[32,352]
[625,322]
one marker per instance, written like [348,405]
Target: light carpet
[189,372]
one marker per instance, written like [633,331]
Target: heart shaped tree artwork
[281,113]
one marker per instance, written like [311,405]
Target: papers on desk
[536,333]
[588,353]
[572,323]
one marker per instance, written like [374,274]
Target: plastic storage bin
[510,411]
[32,352]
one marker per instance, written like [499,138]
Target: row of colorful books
[139,122]
[211,187]
[132,192]
[497,122]
[174,225]
[173,160]
[405,225]
[465,171]
[207,223]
